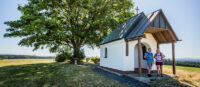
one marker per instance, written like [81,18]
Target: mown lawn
[52,75]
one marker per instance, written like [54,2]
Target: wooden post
[139,56]
[173,58]
[158,46]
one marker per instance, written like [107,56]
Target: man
[159,61]
[150,60]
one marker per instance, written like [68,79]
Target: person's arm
[146,55]
[163,56]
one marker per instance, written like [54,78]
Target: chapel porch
[162,36]
[142,78]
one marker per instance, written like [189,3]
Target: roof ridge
[133,25]
[154,11]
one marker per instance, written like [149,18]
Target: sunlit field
[184,68]
[9,62]
[187,75]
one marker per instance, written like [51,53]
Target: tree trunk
[76,54]
[76,51]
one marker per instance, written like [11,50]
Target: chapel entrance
[136,56]
[144,50]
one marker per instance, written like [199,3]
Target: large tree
[68,24]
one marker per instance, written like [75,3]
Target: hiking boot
[149,75]
[161,75]
[157,75]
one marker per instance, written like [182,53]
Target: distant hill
[5,56]
[188,59]
[191,62]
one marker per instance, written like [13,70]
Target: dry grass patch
[8,62]
[190,78]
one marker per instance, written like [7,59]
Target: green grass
[47,73]
[53,75]
[188,69]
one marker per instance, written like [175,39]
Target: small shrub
[63,56]
[60,58]
[95,59]
[69,55]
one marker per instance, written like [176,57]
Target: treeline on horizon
[24,57]
[182,63]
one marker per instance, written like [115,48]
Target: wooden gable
[159,22]
[161,30]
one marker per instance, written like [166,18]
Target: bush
[60,58]
[95,59]
[63,56]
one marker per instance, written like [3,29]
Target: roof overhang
[162,35]
[154,30]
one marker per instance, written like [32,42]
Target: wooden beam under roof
[172,35]
[154,30]
[163,39]
[158,37]
[153,34]
[167,36]
[161,35]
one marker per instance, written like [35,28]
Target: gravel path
[124,79]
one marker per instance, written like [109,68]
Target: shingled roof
[135,27]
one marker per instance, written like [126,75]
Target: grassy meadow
[47,73]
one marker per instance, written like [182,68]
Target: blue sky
[183,15]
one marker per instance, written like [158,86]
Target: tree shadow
[30,74]
[54,75]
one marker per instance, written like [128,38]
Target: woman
[159,61]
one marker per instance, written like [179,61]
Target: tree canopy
[67,24]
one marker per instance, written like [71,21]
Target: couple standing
[150,61]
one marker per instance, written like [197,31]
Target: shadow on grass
[53,74]
[29,74]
